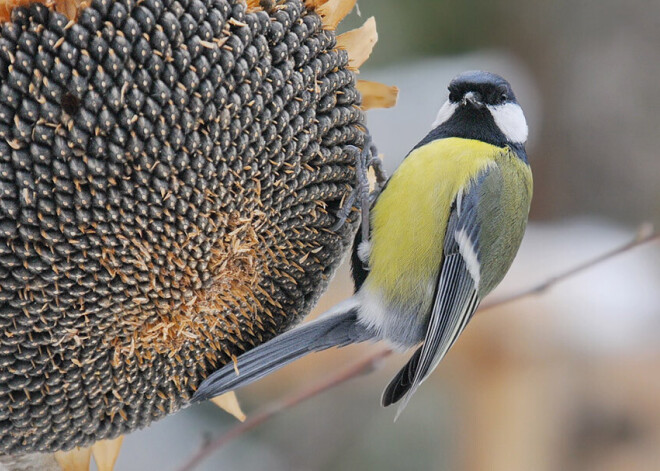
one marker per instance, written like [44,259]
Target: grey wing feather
[402,382]
[455,300]
[335,330]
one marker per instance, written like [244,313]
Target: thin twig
[372,361]
[364,366]
[643,237]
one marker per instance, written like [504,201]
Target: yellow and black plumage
[444,231]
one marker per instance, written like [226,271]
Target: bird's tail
[330,330]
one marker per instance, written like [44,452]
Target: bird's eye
[503,97]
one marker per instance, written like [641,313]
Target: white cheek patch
[510,119]
[446,111]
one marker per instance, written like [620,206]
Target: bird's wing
[456,296]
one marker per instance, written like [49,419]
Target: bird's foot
[367,158]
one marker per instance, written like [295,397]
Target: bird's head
[481,98]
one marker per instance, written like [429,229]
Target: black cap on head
[491,88]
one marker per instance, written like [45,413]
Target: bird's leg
[364,162]
[361,189]
[366,159]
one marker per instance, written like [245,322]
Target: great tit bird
[443,233]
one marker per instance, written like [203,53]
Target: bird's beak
[473,98]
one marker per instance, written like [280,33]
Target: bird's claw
[344,211]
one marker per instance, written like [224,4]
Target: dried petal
[359,43]
[377,95]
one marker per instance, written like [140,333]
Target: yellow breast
[410,216]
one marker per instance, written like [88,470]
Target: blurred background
[568,380]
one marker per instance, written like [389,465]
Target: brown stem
[364,366]
[371,362]
[643,237]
